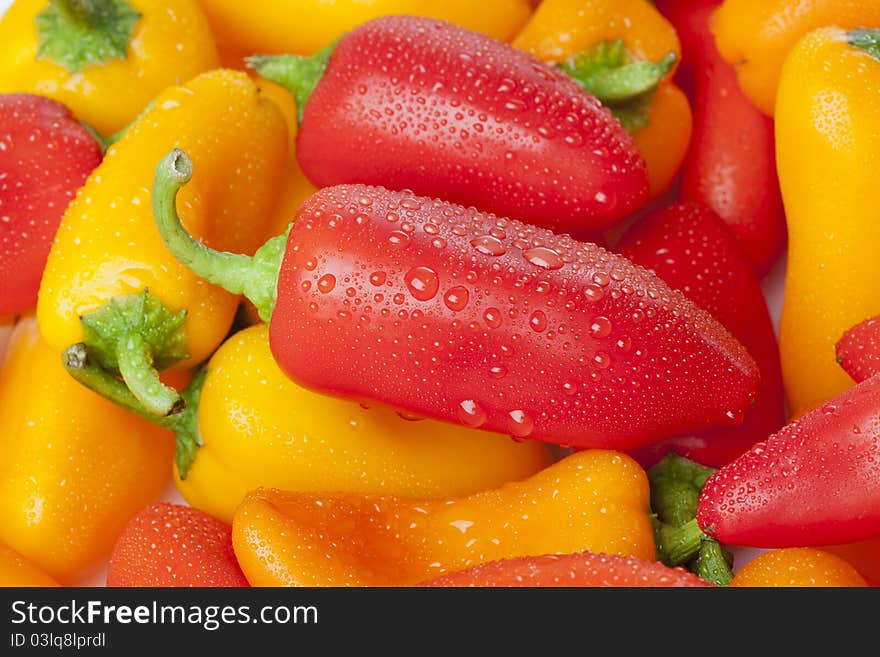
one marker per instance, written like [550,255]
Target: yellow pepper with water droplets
[593,500]
[111,282]
[142,48]
[827,153]
[267,26]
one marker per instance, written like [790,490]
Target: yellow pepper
[593,500]
[15,570]
[659,116]
[134,50]
[73,467]
[828,150]
[268,26]
[756,35]
[248,425]
[111,282]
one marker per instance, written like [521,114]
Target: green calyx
[136,335]
[623,84]
[76,34]
[296,73]
[867,39]
[81,363]
[676,483]
[256,277]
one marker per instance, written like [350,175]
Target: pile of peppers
[424,294]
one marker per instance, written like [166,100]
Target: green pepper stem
[82,366]
[866,39]
[135,362]
[677,545]
[256,277]
[712,564]
[296,73]
[80,33]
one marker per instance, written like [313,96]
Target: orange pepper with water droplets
[107,73]
[15,570]
[594,500]
[797,567]
[73,467]
[109,280]
[659,116]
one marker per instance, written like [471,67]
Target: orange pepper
[593,500]
[756,36]
[864,556]
[15,570]
[797,567]
[561,29]
[73,466]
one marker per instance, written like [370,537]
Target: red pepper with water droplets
[814,482]
[858,350]
[571,570]
[731,163]
[694,251]
[45,156]
[442,311]
[415,103]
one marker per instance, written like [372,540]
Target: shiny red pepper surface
[814,482]
[446,312]
[731,163]
[694,251]
[414,103]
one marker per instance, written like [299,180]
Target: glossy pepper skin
[107,252]
[858,350]
[46,156]
[596,500]
[399,104]
[814,482]
[17,571]
[445,312]
[732,170]
[247,425]
[827,138]
[564,570]
[146,46]
[797,567]
[74,467]
[693,250]
[864,556]
[756,37]
[306,27]
[172,545]
[561,29]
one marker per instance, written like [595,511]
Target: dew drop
[470,413]
[538,321]
[456,298]
[399,238]
[492,317]
[544,257]
[422,283]
[498,372]
[489,245]
[378,278]
[326,283]
[600,327]
[593,292]
[519,424]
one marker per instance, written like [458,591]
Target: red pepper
[571,570]
[814,482]
[731,163]
[45,156]
[415,103]
[858,350]
[174,545]
[445,312]
[693,250]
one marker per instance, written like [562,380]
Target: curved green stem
[712,563]
[80,33]
[135,363]
[256,277]
[677,545]
[82,366]
[296,73]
